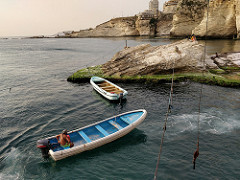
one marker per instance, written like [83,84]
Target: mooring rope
[170,101]
[196,153]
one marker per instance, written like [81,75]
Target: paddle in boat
[93,135]
[108,89]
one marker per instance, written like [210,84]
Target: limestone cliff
[164,24]
[145,27]
[238,18]
[221,18]
[188,15]
[115,27]
[127,26]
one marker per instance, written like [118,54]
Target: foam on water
[11,165]
[208,123]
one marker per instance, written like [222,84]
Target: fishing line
[170,101]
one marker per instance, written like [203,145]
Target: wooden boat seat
[103,84]
[110,89]
[117,92]
[106,87]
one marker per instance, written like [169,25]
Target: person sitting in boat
[64,139]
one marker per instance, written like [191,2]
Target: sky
[49,17]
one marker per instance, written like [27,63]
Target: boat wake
[209,123]
[10,165]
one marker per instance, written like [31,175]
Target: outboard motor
[44,146]
[120,97]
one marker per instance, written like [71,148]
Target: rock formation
[164,24]
[238,18]
[189,15]
[227,60]
[115,27]
[127,26]
[221,18]
[184,56]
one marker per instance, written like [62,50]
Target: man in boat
[64,139]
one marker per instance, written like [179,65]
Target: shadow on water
[114,104]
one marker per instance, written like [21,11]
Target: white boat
[108,89]
[93,135]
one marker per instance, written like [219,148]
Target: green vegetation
[217,71]
[230,68]
[215,77]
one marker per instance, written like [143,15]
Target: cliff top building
[153,6]
[152,12]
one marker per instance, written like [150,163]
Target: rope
[196,153]
[165,124]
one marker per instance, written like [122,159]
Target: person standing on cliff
[193,37]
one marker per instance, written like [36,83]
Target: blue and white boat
[93,135]
[108,89]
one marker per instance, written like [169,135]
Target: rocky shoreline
[146,63]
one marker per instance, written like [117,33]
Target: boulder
[227,60]
[183,56]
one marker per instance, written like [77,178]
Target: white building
[153,6]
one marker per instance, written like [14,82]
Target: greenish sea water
[41,103]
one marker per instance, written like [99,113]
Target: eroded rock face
[238,18]
[184,56]
[227,60]
[145,28]
[113,28]
[189,14]
[164,25]
[127,26]
[219,19]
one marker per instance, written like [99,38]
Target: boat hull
[103,133]
[119,93]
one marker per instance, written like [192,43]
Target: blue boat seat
[125,119]
[115,124]
[84,136]
[105,133]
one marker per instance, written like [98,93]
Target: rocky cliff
[189,14]
[219,19]
[127,26]
[115,27]
[238,18]
[216,19]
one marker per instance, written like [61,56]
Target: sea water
[37,102]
